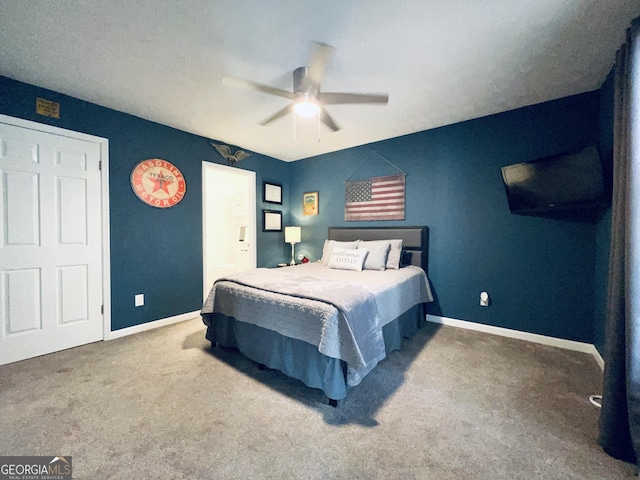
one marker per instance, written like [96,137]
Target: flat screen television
[561,182]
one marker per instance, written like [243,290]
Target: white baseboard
[452,322]
[598,357]
[529,337]
[151,325]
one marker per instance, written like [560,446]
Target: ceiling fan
[306,98]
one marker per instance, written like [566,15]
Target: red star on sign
[160,183]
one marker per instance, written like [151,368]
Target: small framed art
[271,221]
[310,203]
[272,193]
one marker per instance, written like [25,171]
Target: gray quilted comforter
[341,313]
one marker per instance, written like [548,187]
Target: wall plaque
[47,108]
[158,183]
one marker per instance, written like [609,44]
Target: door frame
[104,187]
[251,176]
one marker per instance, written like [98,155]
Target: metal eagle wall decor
[225,151]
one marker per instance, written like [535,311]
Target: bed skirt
[299,359]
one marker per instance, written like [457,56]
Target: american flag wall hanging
[379,198]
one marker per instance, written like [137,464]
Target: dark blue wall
[539,272]
[157,252]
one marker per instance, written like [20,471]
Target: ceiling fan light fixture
[306,108]
[306,97]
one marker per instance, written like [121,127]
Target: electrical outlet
[484,299]
[139,299]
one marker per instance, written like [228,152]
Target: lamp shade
[292,234]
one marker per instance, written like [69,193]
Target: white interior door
[51,290]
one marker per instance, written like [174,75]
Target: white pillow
[378,253]
[329,245]
[348,259]
[395,254]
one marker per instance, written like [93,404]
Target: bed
[327,323]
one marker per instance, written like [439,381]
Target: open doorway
[228,222]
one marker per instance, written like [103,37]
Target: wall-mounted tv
[561,182]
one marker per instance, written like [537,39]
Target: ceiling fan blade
[318,60]
[328,98]
[258,86]
[278,114]
[328,121]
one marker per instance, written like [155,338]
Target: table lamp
[292,235]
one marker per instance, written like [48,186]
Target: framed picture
[272,193]
[310,203]
[271,221]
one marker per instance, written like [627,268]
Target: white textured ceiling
[440,61]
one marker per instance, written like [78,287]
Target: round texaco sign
[158,183]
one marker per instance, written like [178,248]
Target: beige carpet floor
[452,404]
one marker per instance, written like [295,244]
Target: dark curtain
[620,414]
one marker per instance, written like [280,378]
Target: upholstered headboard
[415,240]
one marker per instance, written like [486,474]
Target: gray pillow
[395,254]
[378,253]
[329,245]
[348,258]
